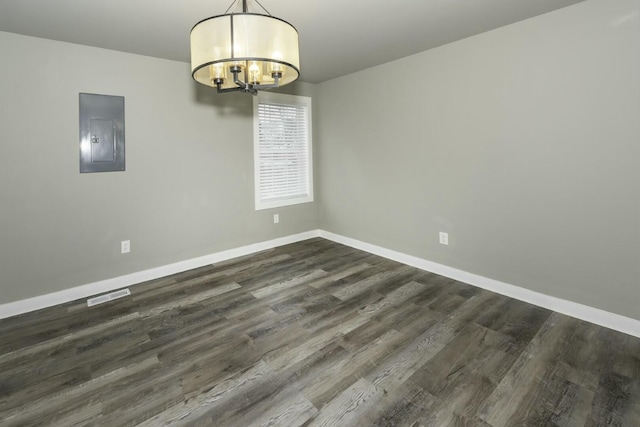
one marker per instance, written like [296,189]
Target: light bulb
[277,69]
[254,73]
[216,73]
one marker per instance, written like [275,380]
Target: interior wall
[522,143]
[188,186]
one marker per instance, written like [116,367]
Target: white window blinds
[282,150]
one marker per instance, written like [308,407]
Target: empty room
[320,213]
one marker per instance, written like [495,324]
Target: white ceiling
[336,37]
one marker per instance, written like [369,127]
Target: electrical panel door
[101,133]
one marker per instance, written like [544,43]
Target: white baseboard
[573,309]
[102,286]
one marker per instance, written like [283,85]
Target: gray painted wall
[188,186]
[522,143]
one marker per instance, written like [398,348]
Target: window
[282,150]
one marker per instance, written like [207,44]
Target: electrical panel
[101,133]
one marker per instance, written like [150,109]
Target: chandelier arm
[275,84]
[236,89]
[237,81]
[247,87]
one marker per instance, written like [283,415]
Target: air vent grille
[108,297]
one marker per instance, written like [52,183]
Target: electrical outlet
[276,218]
[444,238]
[125,246]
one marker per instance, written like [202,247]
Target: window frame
[288,100]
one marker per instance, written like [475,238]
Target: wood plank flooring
[314,334]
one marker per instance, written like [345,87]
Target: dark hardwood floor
[318,334]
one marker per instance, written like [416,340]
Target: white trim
[573,309]
[84,291]
[590,314]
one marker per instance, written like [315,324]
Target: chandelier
[244,51]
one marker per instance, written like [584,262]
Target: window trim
[284,99]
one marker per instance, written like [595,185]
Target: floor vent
[108,297]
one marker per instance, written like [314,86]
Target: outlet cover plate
[444,238]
